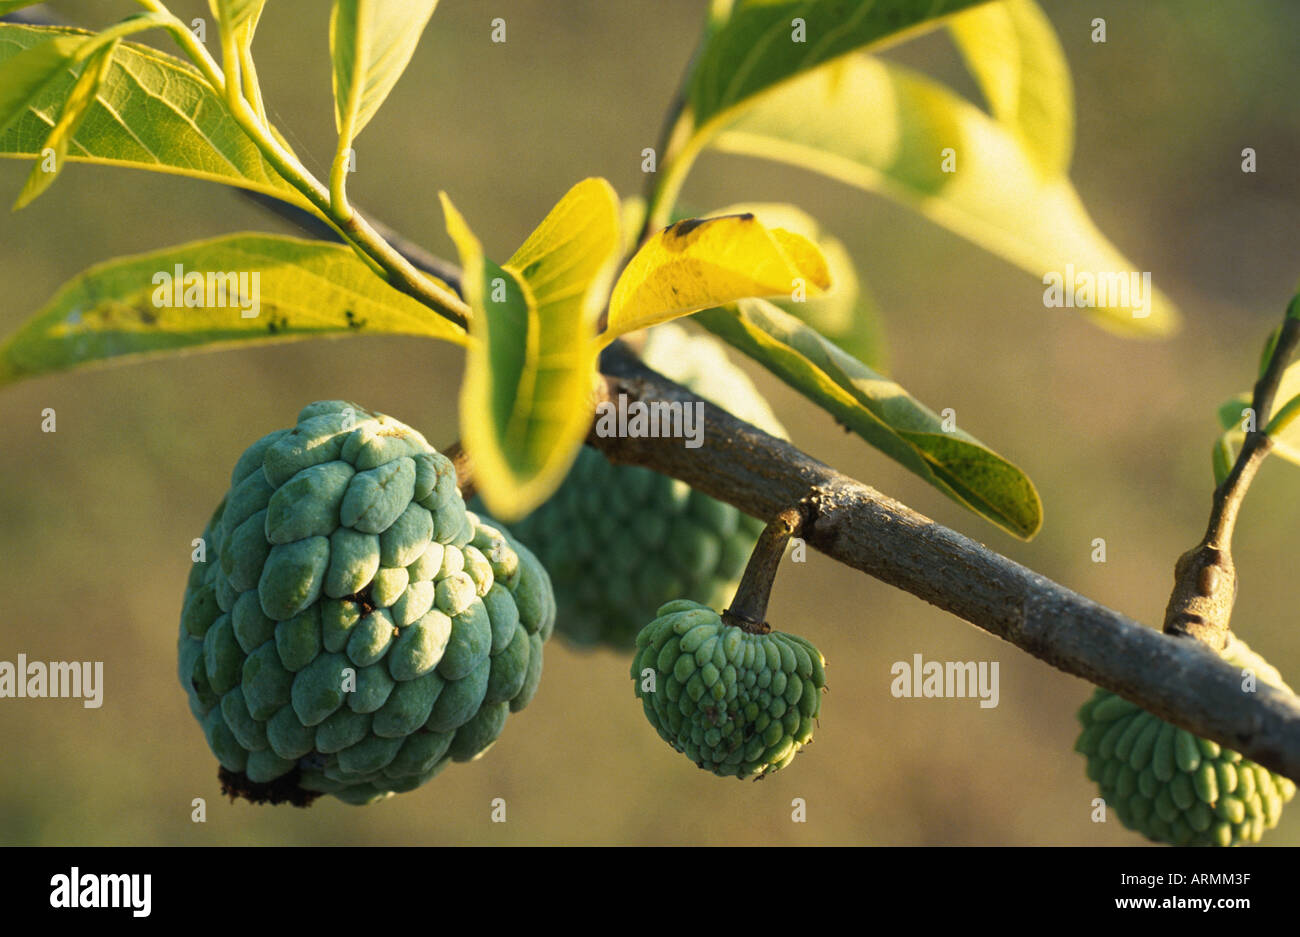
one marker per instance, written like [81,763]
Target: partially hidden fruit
[737,704]
[1173,787]
[621,540]
[349,627]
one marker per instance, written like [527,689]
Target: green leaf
[303,289]
[371,42]
[1012,50]
[1232,413]
[238,14]
[8,6]
[1224,455]
[83,94]
[23,77]
[526,398]
[698,263]
[846,313]
[152,112]
[882,413]
[759,47]
[884,128]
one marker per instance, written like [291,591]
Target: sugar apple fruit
[1173,787]
[352,628]
[735,703]
[621,540]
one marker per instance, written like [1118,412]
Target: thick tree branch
[1178,679]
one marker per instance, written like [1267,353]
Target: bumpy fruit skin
[1173,787]
[621,540]
[353,628]
[737,704]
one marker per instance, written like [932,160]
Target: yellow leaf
[698,263]
[1012,50]
[881,127]
[526,399]
[846,313]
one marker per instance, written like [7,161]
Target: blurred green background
[98,517]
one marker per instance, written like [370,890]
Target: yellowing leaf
[698,263]
[74,111]
[633,212]
[846,313]
[884,128]
[882,413]
[526,399]
[1012,50]
[241,289]
[567,259]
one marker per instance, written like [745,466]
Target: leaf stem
[190,45]
[400,273]
[230,59]
[338,181]
[136,23]
[346,117]
[252,87]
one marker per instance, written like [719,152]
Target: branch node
[1205,587]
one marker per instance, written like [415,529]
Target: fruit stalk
[464,466]
[748,609]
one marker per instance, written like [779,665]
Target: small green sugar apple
[735,703]
[352,628]
[1173,787]
[622,540]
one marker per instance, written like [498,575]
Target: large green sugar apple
[736,703]
[622,540]
[1173,787]
[352,628]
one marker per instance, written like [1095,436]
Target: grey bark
[1176,678]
